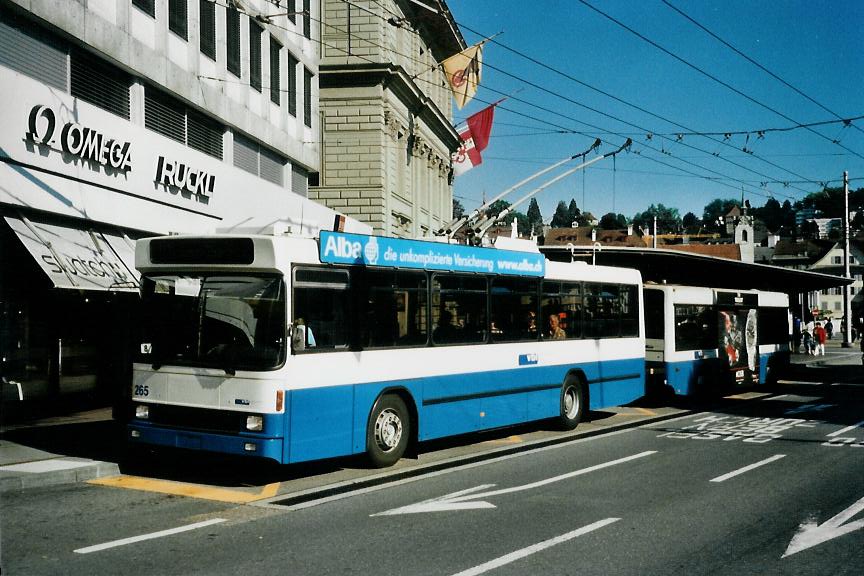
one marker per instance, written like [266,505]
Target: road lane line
[844,430]
[748,468]
[151,536]
[519,554]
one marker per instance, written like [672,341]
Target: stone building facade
[385,106]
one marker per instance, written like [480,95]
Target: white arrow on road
[810,533]
[470,499]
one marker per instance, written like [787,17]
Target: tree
[714,210]
[771,214]
[612,221]
[561,218]
[574,214]
[668,219]
[497,207]
[458,209]
[535,219]
[690,222]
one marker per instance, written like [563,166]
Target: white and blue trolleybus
[702,340]
[296,349]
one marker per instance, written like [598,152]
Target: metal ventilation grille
[300,181]
[272,167]
[99,83]
[33,52]
[164,115]
[204,134]
[245,154]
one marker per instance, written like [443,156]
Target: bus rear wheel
[572,404]
[388,431]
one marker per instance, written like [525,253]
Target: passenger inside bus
[302,336]
[556,332]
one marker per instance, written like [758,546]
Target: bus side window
[321,302]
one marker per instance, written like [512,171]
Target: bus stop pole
[847,308]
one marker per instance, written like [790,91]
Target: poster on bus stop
[738,344]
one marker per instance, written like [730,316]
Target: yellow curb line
[185,489]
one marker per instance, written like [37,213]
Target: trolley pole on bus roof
[847,305]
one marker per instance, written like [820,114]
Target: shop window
[513,309]
[207,23]
[232,40]
[178,17]
[146,6]
[275,72]
[307,97]
[458,309]
[292,85]
[99,83]
[255,32]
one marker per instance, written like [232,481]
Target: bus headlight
[255,423]
[142,411]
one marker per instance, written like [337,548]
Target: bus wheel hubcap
[388,430]
[571,402]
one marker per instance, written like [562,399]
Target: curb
[77,471]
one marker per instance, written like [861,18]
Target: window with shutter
[232,39]
[255,55]
[275,71]
[292,85]
[307,97]
[245,154]
[29,50]
[258,160]
[178,17]
[307,19]
[208,28]
[164,114]
[204,134]
[146,6]
[272,167]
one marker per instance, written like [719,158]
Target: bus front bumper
[241,445]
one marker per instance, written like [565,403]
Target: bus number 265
[142,390]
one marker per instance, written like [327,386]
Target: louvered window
[204,134]
[307,97]
[255,55]
[307,19]
[28,50]
[291,7]
[170,117]
[275,71]
[255,159]
[292,85]
[232,39]
[146,6]
[300,181]
[208,28]
[100,83]
[178,17]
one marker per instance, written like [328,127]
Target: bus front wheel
[572,404]
[388,431]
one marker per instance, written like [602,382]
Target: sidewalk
[59,450]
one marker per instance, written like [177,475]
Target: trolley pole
[847,305]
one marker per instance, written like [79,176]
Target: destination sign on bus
[341,248]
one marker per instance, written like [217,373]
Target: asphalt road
[768,485]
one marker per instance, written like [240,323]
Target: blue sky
[556,111]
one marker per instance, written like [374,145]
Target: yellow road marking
[508,440]
[644,411]
[186,489]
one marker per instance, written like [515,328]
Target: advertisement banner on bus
[341,248]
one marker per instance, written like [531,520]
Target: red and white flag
[475,138]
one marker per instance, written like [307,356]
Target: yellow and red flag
[463,73]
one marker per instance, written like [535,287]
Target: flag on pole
[463,73]
[475,138]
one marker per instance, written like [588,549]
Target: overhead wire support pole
[484,225]
[847,308]
[458,223]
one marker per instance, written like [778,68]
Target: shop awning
[83,258]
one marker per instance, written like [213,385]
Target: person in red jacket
[820,335]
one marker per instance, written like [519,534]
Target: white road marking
[151,536]
[847,429]
[810,533]
[747,468]
[519,554]
[468,499]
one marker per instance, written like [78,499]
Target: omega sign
[79,141]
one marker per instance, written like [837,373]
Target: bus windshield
[213,320]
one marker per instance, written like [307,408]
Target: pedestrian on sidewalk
[829,328]
[808,341]
[821,336]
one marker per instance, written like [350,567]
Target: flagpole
[457,223]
